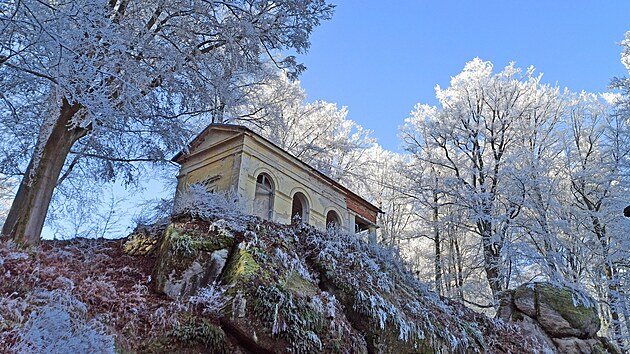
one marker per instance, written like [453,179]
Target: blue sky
[380,58]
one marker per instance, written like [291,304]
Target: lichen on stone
[562,301]
[241,267]
[142,241]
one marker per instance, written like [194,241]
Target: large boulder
[189,259]
[559,311]
[562,315]
[562,319]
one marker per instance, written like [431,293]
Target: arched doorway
[333,220]
[300,207]
[263,199]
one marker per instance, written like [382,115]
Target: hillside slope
[257,287]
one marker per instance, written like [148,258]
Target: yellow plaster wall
[222,160]
[288,178]
[214,137]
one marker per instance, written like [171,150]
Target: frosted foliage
[319,133]
[52,329]
[331,303]
[611,98]
[17,254]
[122,51]
[60,326]
[6,195]
[374,269]
[317,304]
[198,202]
[625,53]
[528,181]
[142,77]
[293,263]
[480,152]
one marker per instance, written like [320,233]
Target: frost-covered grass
[382,288]
[76,296]
[61,326]
[212,298]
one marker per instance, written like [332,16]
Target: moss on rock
[294,289]
[561,300]
[563,319]
[241,267]
[140,244]
[195,332]
[296,283]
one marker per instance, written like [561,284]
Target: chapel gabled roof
[198,140]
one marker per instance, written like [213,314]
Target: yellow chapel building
[273,184]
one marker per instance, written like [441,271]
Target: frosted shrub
[11,310]
[61,326]
[183,245]
[198,202]
[14,253]
[53,329]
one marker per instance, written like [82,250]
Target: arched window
[263,200]
[333,220]
[300,207]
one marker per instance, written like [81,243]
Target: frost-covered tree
[474,138]
[385,182]
[596,161]
[117,82]
[623,83]
[6,192]
[318,133]
[535,177]
[438,222]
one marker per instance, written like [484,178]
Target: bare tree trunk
[492,259]
[437,241]
[459,272]
[626,318]
[614,304]
[450,270]
[30,206]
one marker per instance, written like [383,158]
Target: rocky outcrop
[189,259]
[143,240]
[561,319]
[270,288]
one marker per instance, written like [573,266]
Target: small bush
[61,326]
[198,202]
